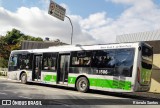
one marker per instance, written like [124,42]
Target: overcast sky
[94,21]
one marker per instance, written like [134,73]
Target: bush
[2,74]
[3,63]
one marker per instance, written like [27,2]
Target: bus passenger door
[63,68]
[37,67]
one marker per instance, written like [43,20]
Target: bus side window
[103,59]
[49,62]
[25,61]
[81,59]
[124,62]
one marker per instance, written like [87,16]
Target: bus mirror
[139,48]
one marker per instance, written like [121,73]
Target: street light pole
[72,28]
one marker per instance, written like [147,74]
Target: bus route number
[102,72]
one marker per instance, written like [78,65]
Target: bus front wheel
[24,78]
[82,84]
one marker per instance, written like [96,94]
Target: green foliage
[3,63]
[12,41]
[12,37]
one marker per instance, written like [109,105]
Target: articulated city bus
[124,67]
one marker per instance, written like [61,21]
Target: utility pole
[59,12]
[72,28]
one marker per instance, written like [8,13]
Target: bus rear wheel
[82,84]
[24,78]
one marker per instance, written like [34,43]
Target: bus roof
[67,48]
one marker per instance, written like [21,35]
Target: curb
[143,96]
[3,77]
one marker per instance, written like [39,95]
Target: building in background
[152,38]
[40,44]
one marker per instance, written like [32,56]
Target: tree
[12,37]
[12,41]
[3,62]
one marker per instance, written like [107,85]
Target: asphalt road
[61,96]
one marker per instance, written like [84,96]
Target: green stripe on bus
[105,83]
[50,78]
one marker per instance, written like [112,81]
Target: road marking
[3,93]
[24,97]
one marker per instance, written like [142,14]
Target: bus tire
[24,78]
[82,84]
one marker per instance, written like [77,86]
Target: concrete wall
[155,80]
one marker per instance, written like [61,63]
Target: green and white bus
[124,67]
